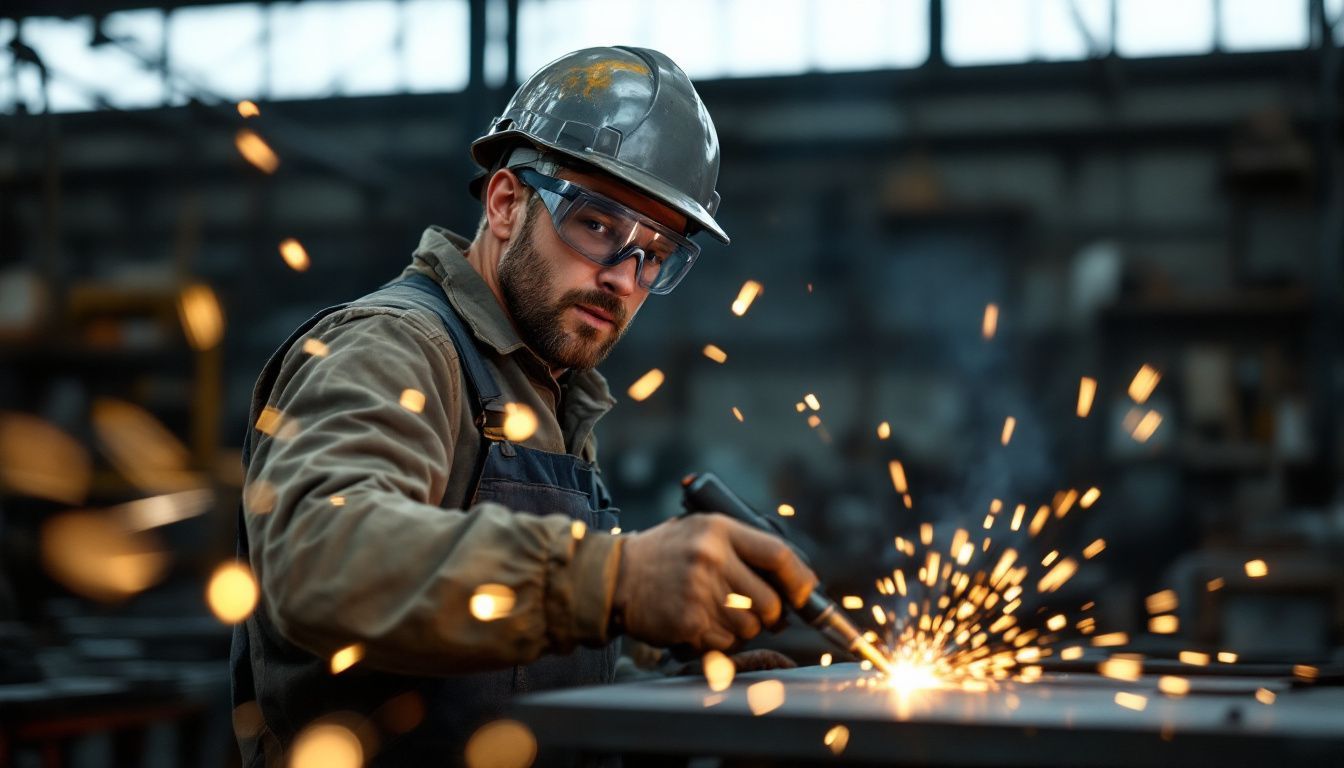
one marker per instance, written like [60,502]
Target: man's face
[568,309]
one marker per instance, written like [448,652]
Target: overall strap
[488,402]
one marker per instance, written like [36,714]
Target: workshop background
[961,216]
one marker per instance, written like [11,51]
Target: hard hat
[629,112]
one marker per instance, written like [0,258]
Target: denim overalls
[293,687]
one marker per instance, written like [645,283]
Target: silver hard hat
[629,112]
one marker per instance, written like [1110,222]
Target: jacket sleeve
[346,537]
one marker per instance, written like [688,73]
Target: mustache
[603,301]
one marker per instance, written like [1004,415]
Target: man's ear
[505,204]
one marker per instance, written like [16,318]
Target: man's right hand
[674,580]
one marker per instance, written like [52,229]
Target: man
[384,489]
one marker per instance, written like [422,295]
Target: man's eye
[596,227]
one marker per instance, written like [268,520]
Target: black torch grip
[705,492]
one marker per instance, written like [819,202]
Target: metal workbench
[1061,720]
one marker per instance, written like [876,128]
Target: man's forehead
[624,194]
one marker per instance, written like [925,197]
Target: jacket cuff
[578,608]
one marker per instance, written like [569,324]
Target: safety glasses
[608,233]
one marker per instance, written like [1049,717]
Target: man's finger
[769,553]
[765,601]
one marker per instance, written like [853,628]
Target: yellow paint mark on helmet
[599,75]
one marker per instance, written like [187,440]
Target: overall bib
[292,687]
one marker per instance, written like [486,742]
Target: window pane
[435,51]
[987,31]
[770,38]
[1256,25]
[1060,37]
[1163,27]
[870,34]
[131,77]
[548,29]
[219,48]
[323,49]
[63,46]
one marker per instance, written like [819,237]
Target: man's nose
[623,277]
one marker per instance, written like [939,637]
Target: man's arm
[383,564]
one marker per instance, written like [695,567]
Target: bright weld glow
[812,401]
[786,510]
[1145,381]
[897,476]
[737,414]
[247,108]
[990,324]
[1257,568]
[1089,498]
[256,151]
[739,602]
[883,431]
[346,658]
[1008,425]
[294,254]
[413,400]
[750,290]
[715,354]
[646,385]
[909,675]
[1087,392]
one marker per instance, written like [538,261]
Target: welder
[384,490]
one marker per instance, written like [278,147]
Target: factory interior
[1029,338]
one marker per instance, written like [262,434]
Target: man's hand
[675,577]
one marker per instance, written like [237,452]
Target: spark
[1008,425]
[800,406]
[501,744]
[715,354]
[765,696]
[491,601]
[1122,666]
[1057,622]
[1143,384]
[1090,498]
[750,290]
[1094,549]
[1227,657]
[990,324]
[785,510]
[1072,653]
[1256,568]
[232,592]
[825,660]
[1087,392]
[315,347]
[1110,639]
[1305,672]
[883,431]
[256,151]
[926,533]
[201,316]
[738,602]
[719,671]
[898,476]
[737,414]
[615,530]
[520,422]
[646,385]
[813,421]
[1162,602]
[812,401]
[1147,426]
[852,602]
[1264,696]
[38,459]
[837,738]
[578,529]
[1164,625]
[1017,516]
[1131,701]
[1215,584]
[294,254]
[1038,522]
[248,108]
[326,745]
[412,400]
[346,658]
[1173,686]
[1194,658]
[1066,502]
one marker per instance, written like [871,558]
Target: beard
[526,281]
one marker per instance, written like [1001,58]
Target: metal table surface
[1061,720]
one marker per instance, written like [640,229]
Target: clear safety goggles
[608,233]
